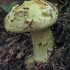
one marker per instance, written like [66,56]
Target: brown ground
[15,47]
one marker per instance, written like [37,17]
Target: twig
[61,1]
[28,25]
[53,66]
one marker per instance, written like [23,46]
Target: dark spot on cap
[40,44]
[13,11]
[50,10]
[26,8]
[11,20]
[8,16]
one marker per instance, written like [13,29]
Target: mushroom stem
[43,42]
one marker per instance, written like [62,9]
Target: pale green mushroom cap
[31,16]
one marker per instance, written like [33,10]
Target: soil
[15,47]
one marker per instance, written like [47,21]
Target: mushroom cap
[31,16]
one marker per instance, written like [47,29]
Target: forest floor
[15,47]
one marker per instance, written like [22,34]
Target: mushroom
[35,16]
